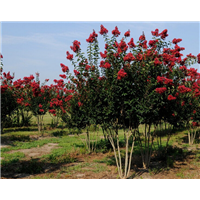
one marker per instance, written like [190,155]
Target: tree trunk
[1,127]
[191,136]
[88,139]
[17,117]
[22,114]
[38,122]
[123,174]
[148,140]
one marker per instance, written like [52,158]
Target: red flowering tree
[189,101]
[35,97]
[8,101]
[134,84]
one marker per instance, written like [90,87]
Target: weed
[56,158]
[181,175]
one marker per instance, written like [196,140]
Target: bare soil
[86,167]
[37,151]
[187,169]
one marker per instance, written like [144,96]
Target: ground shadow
[24,168]
[17,129]
[59,133]
[8,140]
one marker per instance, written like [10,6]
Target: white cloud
[36,38]
[41,38]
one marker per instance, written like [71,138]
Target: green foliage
[8,105]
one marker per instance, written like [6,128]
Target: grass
[68,142]
[84,167]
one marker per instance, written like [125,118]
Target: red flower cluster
[175,41]
[139,57]
[190,56]
[20,100]
[35,88]
[103,30]
[60,82]
[143,44]
[152,42]
[41,110]
[64,68]
[68,98]
[116,32]
[127,34]
[87,67]
[129,57]
[155,33]
[161,90]
[76,46]
[107,65]
[76,72]
[92,37]
[27,104]
[121,74]
[122,46]
[53,111]
[104,64]
[69,56]
[184,68]
[40,105]
[8,76]
[157,62]
[170,97]
[103,55]
[101,78]
[195,124]
[183,89]
[198,58]
[163,80]
[1,55]
[55,102]
[80,104]
[131,43]
[63,76]
[3,88]
[192,72]
[163,34]
[142,37]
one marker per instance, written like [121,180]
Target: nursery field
[132,111]
[61,154]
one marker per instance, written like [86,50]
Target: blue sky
[30,47]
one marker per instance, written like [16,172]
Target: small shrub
[55,158]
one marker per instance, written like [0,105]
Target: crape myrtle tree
[20,95]
[100,94]
[35,97]
[181,98]
[190,107]
[8,101]
[39,97]
[83,84]
[133,84]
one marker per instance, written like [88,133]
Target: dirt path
[37,151]
[4,145]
